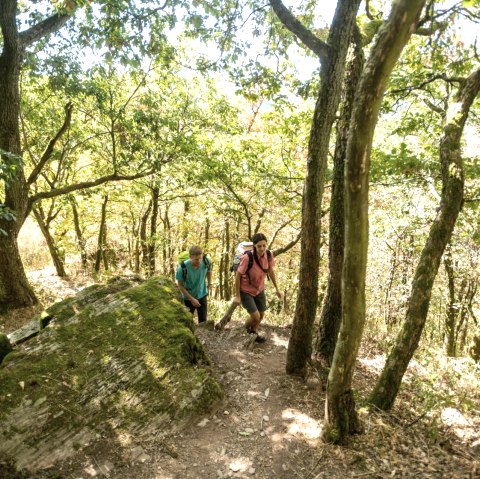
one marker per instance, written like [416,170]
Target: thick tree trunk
[332,308]
[388,385]
[15,292]
[331,74]
[52,248]
[341,419]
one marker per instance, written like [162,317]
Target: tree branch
[45,27]
[84,185]
[47,154]
[290,22]
[288,246]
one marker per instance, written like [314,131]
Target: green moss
[118,353]
[5,346]
[331,435]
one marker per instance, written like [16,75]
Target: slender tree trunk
[152,244]
[452,307]
[79,234]
[227,274]
[331,74]
[341,419]
[185,223]
[332,308]
[99,256]
[52,248]
[143,237]
[388,385]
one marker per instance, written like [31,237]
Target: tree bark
[152,243]
[15,291]
[331,316]
[143,236]
[341,419]
[101,244]
[388,385]
[452,307]
[52,247]
[79,234]
[331,74]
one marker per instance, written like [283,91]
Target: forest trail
[268,426]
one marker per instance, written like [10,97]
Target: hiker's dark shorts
[254,303]
[201,311]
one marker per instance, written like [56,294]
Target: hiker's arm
[209,282]
[184,291]
[237,287]
[274,281]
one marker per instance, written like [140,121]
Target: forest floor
[269,424]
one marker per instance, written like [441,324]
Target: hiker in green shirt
[194,279]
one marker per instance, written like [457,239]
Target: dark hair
[258,237]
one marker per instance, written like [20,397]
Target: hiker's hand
[195,303]
[236,299]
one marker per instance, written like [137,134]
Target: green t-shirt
[196,282]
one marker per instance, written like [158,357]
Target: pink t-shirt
[257,277]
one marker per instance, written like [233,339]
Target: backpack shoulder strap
[250,255]
[207,262]
[184,270]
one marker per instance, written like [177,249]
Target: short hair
[195,250]
[258,237]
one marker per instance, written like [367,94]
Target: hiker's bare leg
[254,321]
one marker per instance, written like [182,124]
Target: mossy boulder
[5,346]
[115,361]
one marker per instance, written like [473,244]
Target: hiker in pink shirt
[250,283]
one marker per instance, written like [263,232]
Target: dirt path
[268,426]
[260,429]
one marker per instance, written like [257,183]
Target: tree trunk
[332,308]
[227,274]
[341,419]
[452,307]
[388,385]
[101,244]
[79,234]
[52,248]
[15,292]
[331,74]
[152,244]
[143,236]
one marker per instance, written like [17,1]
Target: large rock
[115,361]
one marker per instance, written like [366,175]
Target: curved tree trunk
[388,385]
[332,308]
[331,74]
[341,419]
